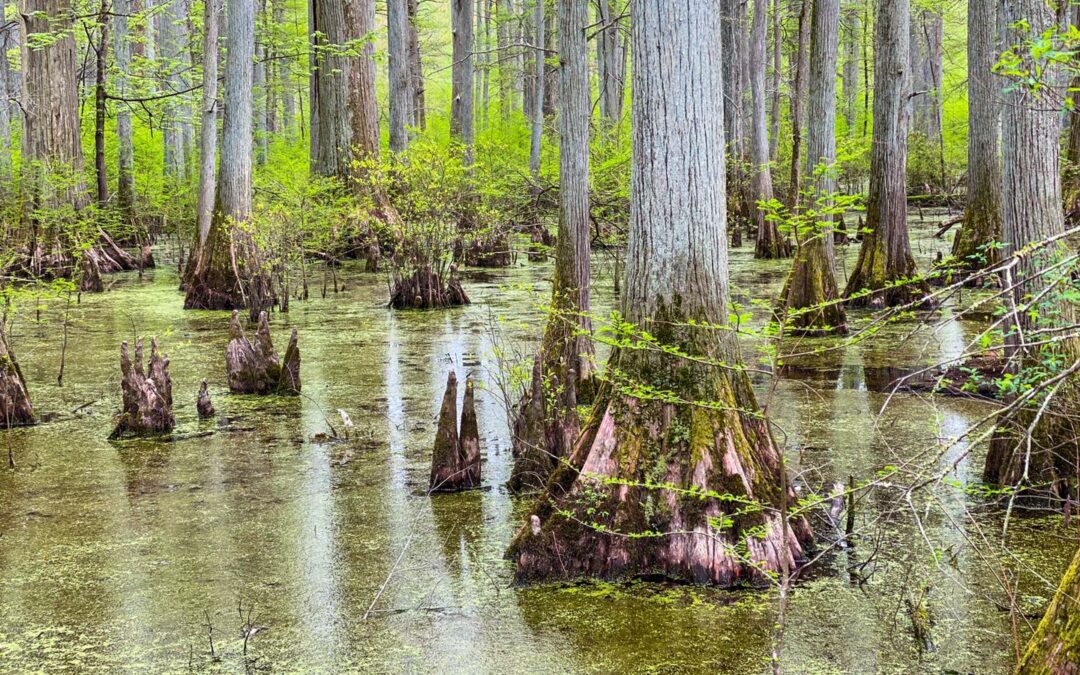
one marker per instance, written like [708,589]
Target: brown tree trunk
[401,94]
[982,214]
[603,513]
[461,104]
[331,133]
[416,68]
[204,210]
[770,242]
[15,407]
[798,110]
[885,257]
[147,394]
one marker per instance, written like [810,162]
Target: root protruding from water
[256,368]
[147,394]
[455,459]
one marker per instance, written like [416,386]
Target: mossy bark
[667,485]
[1054,649]
[811,297]
[15,407]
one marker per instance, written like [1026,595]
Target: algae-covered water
[131,556]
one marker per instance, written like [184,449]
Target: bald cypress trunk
[1054,649]
[331,133]
[770,242]
[811,293]
[233,276]
[982,214]
[461,105]
[7,91]
[611,62]
[852,33]
[798,105]
[204,211]
[176,118]
[885,257]
[125,161]
[566,367]
[416,68]
[734,39]
[15,407]
[401,94]
[538,89]
[676,272]
[363,108]
[1036,449]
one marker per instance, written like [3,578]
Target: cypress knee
[147,394]
[469,440]
[445,464]
[256,368]
[203,404]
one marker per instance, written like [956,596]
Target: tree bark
[363,108]
[852,65]
[885,257]
[15,407]
[288,95]
[176,117]
[565,373]
[1054,649]
[100,108]
[125,163]
[611,62]
[204,211]
[1036,448]
[233,276]
[770,242]
[331,133]
[798,110]
[676,274]
[7,92]
[147,394]
[461,106]
[811,294]
[982,213]
[416,68]
[401,94]
[537,130]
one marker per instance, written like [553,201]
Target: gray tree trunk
[125,165]
[209,132]
[176,117]
[538,89]
[927,35]
[363,108]
[401,94]
[770,243]
[286,89]
[262,103]
[811,293]
[798,99]
[234,171]
[7,92]
[416,68]
[852,65]
[331,133]
[774,85]
[611,61]
[982,214]
[461,106]
[885,257]
[677,271]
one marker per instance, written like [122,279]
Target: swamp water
[118,556]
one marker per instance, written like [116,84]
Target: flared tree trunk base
[655,488]
[425,289]
[810,300]
[15,407]
[770,244]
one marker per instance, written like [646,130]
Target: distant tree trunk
[611,63]
[551,84]
[586,521]
[233,276]
[204,211]
[363,108]
[798,110]
[885,257]
[288,95]
[566,366]
[927,37]
[505,59]
[734,41]
[125,164]
[461,106]
[101,53]
[416,68]
[811,293]
[852,65]
[176,118]
[538,90]
[982,214]
[401,94]
[1037,447]
[1054,648]
[7,92]
[331,133]
[777,77]
[770,243]
[262,97]
[1071,179]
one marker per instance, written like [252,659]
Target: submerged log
[147,399]
[15,407]
[256,368]
[455,460]
[204,405]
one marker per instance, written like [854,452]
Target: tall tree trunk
[885,257]
[176,118]
[927,37]
[551,84]
[262,93]
[594,517]
[100,107]
[811,294]
[566,366]
[852,65]
[538,89]
[401,95]
[125,164]
[1037,447]
[777,77]
[416,68]
[204,211]
[461,106]
[7,92]
[233,276]
[734,41]
[798,110]
[331,133]
[770,243]
[286,88]
[363,108]
[982,214]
